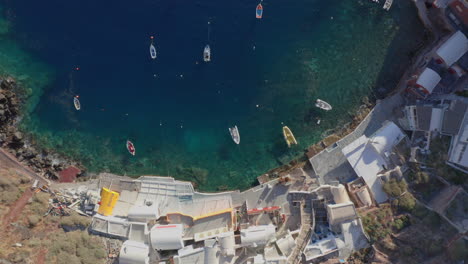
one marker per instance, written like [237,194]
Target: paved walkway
[304,234]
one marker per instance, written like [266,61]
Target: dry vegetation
[41,238]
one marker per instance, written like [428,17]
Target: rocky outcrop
[18,144]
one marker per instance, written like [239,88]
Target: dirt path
[41,256]
[16,208]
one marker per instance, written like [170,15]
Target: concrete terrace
[330,165]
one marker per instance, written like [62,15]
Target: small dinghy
[207,53]
[289,137]
[259,11]
[235,134]
[152,49]
[131,147]
[323,105]
[76,102]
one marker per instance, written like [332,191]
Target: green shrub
[458,250]
[395,188]
[33,220]
[406,202]
[75,219]
[34,242]
[79,245]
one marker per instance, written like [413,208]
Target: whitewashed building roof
[428,79]
[167,237]
[368,156]
[257,235]
[133,252]
[453,49]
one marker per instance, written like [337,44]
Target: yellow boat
[288,136]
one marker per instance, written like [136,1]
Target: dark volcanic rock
[17,136]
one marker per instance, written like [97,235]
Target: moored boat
[153,53]
[77,103]
[235,134]
[323,105]
[289,137]
[259,11]
[131,147]
[388,4]
[207,53]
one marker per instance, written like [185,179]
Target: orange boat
[131,147]
[259,11]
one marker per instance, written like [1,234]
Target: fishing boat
[235,134]
[259,11]
[289,137]
[131,147]
[207,53]
[323,105]
[152,51]
[76,102]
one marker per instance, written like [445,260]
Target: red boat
[259,11]
[131,147]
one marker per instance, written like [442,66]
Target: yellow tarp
[108,200]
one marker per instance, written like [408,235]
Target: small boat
[387,5]
[76,102]
[131,147]
[235,134]
[152,51]
[259,11]
[323,105]
[207,53]
[288,136]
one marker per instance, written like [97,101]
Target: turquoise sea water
[264,74]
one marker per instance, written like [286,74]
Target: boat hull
[259,11]
[153,53]
[323,105]
[131,148]
[207,53]
[77,103]
[235,134]
[289,137]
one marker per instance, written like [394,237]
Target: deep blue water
[177,109]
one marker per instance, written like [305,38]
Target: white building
[338,213]
[423,118]
[452,49]
[167,237]
[133,252]
[255,236]
[370,156]
[428,80]
[458,156]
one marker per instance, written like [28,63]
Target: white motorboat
[77,103]
[207,53]
[235,134]
[323,105]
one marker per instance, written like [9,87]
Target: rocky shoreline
[44,162]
